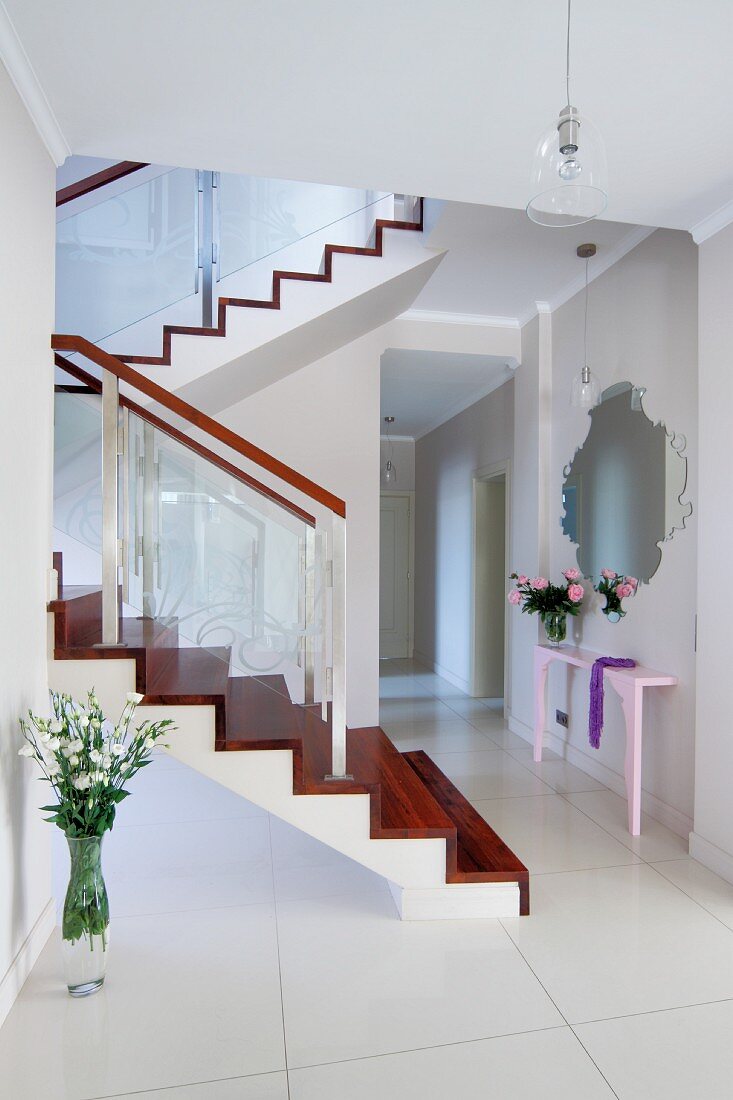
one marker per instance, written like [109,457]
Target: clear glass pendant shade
[389,473]
[585,392]
[569,181]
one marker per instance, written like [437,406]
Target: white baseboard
[674,819]
[711,856]
[23,963]
[457,901]
[433,666]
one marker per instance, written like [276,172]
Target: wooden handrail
[98,179]
[90,384]
[198,419]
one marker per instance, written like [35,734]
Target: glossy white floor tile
[415,711]
[557,773]
[666,1055]
[548,834]
[505,738]
[706,888]
[438,723]
[622,940]
[473,710]
[269,1086]
[447,737]
[297,883]
[188,997]
[357,983]
[656,842]
[489,774]
[548,1064]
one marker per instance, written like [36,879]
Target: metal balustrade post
[207,245]
[111,449]
[338,654]
[148,520]
[325,586]
[309,618]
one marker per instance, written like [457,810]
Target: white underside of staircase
[262,346]
[415,868]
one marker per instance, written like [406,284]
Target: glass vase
[85,925]
[556,626]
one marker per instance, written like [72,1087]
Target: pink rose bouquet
[615,587]
[538,596]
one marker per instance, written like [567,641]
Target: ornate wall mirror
[622,493]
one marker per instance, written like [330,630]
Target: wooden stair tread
[401,805]
[78,634]
[480,855]
[191,672]
[69,592]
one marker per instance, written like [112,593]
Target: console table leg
[541,662]
[631,701]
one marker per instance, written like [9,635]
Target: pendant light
[389,470]
[586,392]
[569,175]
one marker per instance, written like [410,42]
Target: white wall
[528,553]
[26,427]
[643,328]
[445,463]
[403,458]
[712,840]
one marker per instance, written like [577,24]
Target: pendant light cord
[567,59]
[585,322]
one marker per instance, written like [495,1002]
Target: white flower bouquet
[87,762]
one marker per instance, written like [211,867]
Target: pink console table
[630,684]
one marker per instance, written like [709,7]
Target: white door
[394,577]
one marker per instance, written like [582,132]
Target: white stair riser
[457,901]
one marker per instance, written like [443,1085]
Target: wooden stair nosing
[325,276]
[477,843]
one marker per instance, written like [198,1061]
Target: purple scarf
[595,712]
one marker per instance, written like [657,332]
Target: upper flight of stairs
[325,275]
[309,314]
[411,824]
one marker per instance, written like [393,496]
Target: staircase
[230,617]
[399,816]
[253,341]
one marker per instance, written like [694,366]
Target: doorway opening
[490,621]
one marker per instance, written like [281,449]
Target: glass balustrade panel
[238,573]
[125,258]
[260,218]
[77,485]
[235,571]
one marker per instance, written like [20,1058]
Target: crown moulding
[30,90]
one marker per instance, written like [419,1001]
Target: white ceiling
[423,389]
[432,97]
[500,263]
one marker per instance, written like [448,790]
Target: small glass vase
[556,626]
[85,925]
